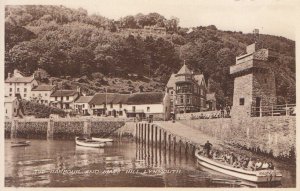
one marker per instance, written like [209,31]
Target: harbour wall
[60,128]
[270,135]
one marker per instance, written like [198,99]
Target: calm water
[60,163]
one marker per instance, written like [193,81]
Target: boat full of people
[85,142]
[245,168]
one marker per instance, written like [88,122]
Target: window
[46,94]
[10,83]
[25,95]
[148,109]
[15,109]
[181,99]
[68,98]
[18,89]
[111,105]
[242,101]
[46,102]
[120,105]
[6,111]
[10,89]
[55,98]
[33,95]
[25,84]
[187,100]
[120,113]
[171,92]
[25,89]
[10,94]
[133,108]
[82,105]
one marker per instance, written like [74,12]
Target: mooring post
[50,129]
[159,138]
[136,133]
[155,135]
[148,134]
[170,142]
[174,144]
[165,140]
[152,127]
[145,132]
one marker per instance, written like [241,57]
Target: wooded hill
[95,51]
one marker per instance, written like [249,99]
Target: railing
[274,110]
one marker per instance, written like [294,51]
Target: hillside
[94,52]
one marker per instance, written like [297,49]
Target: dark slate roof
[43,88]
[59,93]
[84,99]
[146,98]
[115,98]
[19,79]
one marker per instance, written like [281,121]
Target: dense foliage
[69,42]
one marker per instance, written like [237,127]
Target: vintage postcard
[142,94]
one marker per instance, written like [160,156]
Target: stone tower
[254,83]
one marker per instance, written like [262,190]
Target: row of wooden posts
[156,136]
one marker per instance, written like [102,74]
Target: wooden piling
[50,129]
[152,127]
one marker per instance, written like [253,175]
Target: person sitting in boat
[258,164]
[245,163]
[271,166]
[207,147]
[265,165]
[236,164]
[232,158]
[251,165]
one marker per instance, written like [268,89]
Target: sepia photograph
[140,93]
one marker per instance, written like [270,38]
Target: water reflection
[60,163]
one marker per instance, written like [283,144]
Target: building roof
[19,79]
[211,97]
[9,99]
[59,93]
[115,98]
[146,98]
[184,70]
[84,99]
[199,78]
[172,81]
[43,88]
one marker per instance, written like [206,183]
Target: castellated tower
[254,83]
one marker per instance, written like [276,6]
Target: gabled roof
[84,99]
[59,93]
[19,79]
[184,70]
[200,78]
[43,88]
[146,98]
[211,96]
[171,82]
[115,98]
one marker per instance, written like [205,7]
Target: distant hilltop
[74,47]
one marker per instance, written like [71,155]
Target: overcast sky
[276,17]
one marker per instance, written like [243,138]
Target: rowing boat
[20,143]
[254,176]
[102,139]
[88,143]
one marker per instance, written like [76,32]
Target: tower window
[242,101]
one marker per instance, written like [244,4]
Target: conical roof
[184,70]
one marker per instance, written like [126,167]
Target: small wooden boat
[258,176]
[20,143]
[88,143]
[102,139]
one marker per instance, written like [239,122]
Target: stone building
[254,82]
[187,91]
[41,93]
[18,85]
